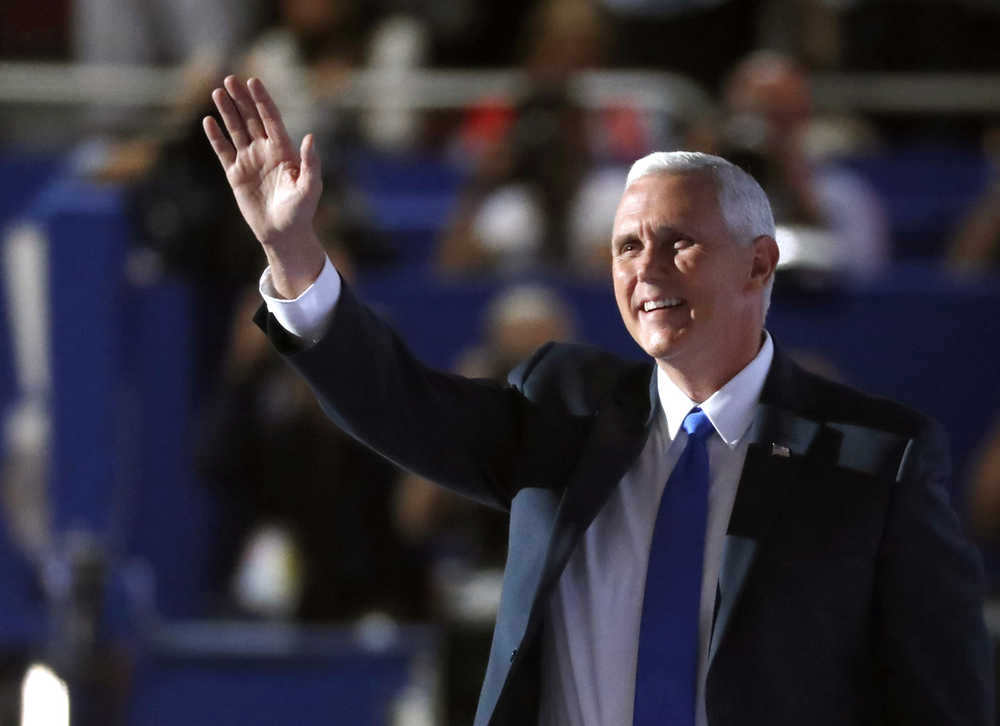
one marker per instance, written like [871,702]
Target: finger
[220,144]
[246,107]
[309,170]
[231,118]
[269,113]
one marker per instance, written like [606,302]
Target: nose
[650,263]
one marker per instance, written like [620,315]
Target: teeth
[657,304]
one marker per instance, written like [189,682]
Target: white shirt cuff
[307,315]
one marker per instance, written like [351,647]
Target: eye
[627,247]
[683,243]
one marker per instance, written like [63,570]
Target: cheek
[623,282]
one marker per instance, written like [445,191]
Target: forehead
[677,199]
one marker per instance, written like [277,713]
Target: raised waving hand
[277,186]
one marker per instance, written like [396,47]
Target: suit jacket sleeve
[936,652]
[478,437]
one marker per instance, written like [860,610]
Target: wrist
[295,263]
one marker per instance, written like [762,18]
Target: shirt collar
[731,408]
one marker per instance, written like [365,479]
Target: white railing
[132,86]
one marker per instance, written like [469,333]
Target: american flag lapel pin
[779,450]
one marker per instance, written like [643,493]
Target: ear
[765,260]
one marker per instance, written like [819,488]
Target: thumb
[309,170]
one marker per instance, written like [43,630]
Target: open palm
[277,186]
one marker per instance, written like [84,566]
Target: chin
[665,345]
[662,347]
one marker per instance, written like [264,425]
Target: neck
[700,379]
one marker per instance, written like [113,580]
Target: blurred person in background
[770,130]
[517,322]
[557,39]
[308,48]
[310,56]
[177,199]
[313,48]
[866,550]
[161,32]
[810,30]
[976,246]
[512,216]
[311,533]
[200,38]
[542,163]
[465,544]
[984,489]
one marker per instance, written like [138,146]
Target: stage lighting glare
[44,698]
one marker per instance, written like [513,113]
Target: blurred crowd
[319,529]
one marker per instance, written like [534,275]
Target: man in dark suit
[713,537]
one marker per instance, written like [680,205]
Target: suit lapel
[779,440]
[619,432]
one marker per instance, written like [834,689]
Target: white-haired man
[712,537]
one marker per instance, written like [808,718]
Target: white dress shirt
[307,315]
[591,644]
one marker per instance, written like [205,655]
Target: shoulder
[820,399]
[578,377]
[844,404]
[876,433]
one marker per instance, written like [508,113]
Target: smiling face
[689,292]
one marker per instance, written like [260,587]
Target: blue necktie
[665,676]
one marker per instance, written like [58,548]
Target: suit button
[513,655]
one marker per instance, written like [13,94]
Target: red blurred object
[485,124]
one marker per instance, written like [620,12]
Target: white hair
[743,202]
[741,199]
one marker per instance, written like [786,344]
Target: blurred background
[184,539]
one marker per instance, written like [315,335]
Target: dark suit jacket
[847,594]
